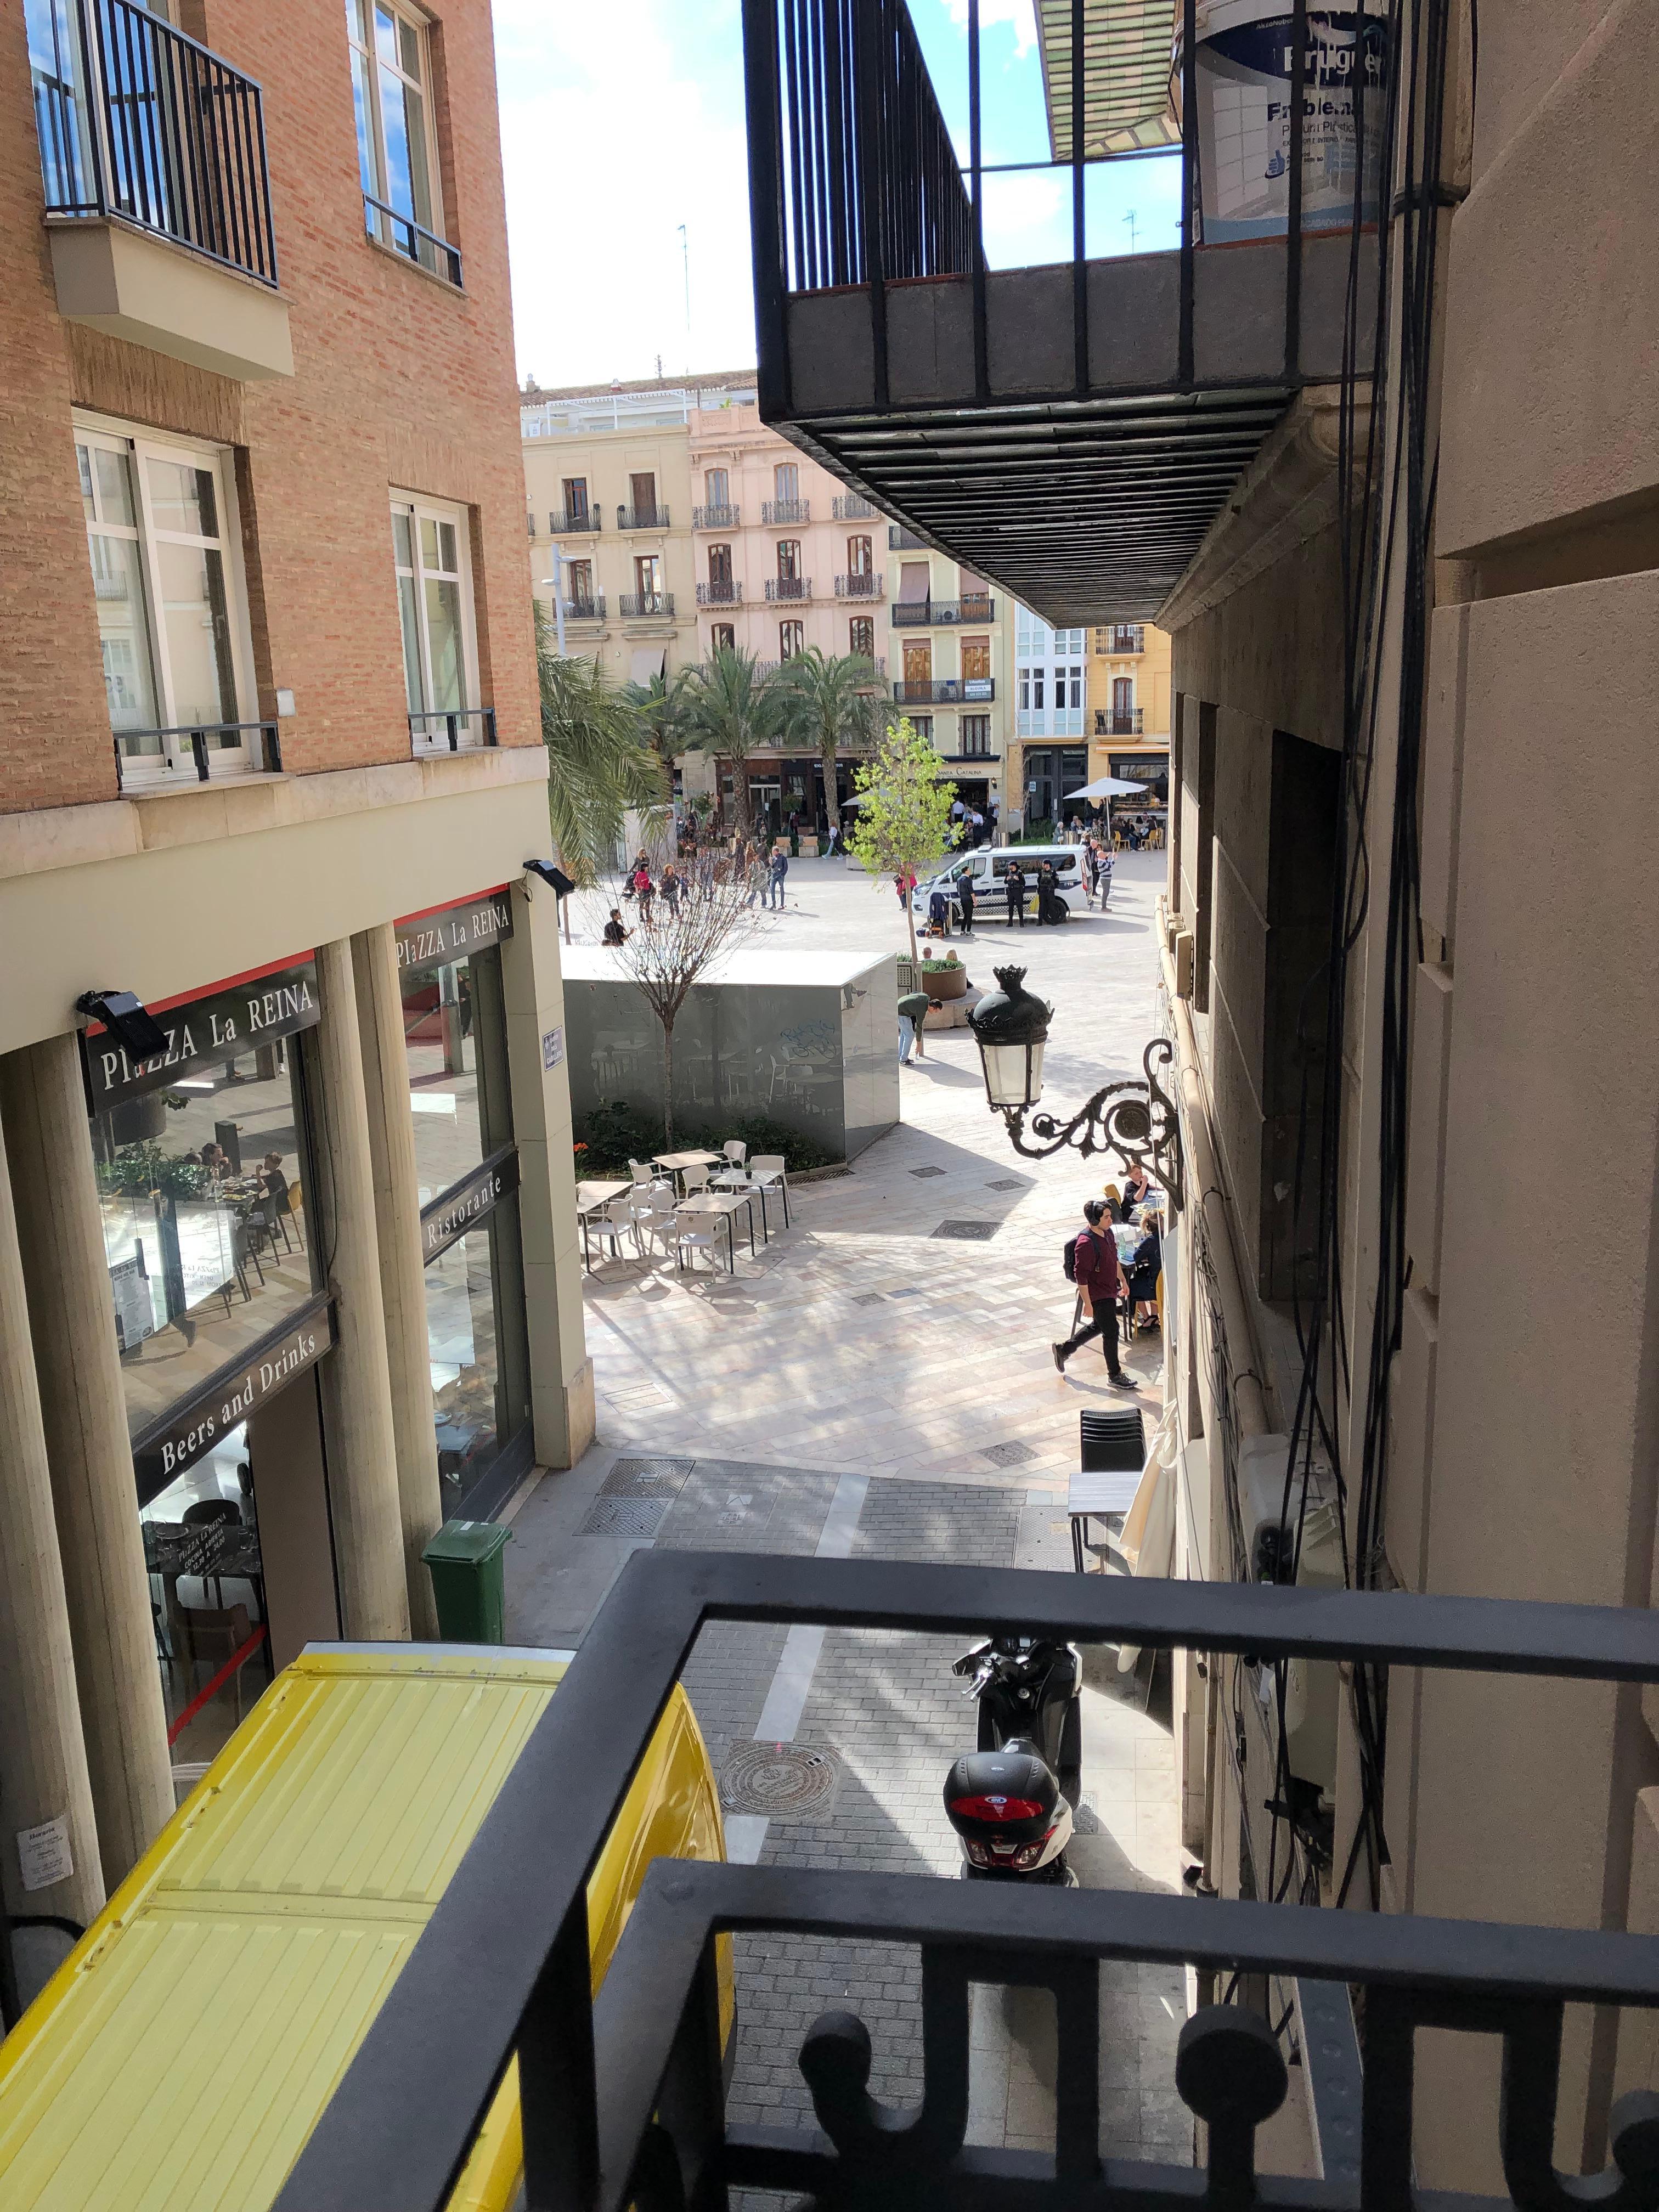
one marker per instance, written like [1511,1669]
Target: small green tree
[904,810]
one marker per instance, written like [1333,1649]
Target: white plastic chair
[696,1178]
[690,1236]
[736,1152]
[614,1223]
[767,1171]
[647,1178]
[654,1221]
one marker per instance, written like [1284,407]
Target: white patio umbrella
[1106,786]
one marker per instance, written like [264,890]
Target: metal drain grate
[779,1781]
[646,1477]
[914,1291]
[1008,1454]
[625,1516]
[968,1232]
[919,1172]
[1009,1182]
[871,1298]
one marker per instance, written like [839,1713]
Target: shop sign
[234,1019]
[198,1423]
[552,1047]
[466,1203]
[978,687]
[433,940]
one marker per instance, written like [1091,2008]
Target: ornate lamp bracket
[1136,1123]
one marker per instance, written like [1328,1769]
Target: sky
[621,123]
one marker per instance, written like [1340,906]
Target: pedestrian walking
[775,887]
[671,887]
[1092,1258]
[965,900]
[912,1015]
[1014,887]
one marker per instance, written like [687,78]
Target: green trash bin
[467,1563]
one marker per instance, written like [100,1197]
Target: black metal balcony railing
[945,691]
[411,238]
[638,606]
[716,518]
[621,2093]
[1119,638]
[642,518]
[789,587]
[1118,721]
[899,540]
[775,511]
[574,521]
[934,614]
[720,591]
[137,120]
[591,609]
[135,749]
[862,585]
[455,730]
[850,508]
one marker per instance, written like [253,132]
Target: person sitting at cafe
[1137,1190]
[217,1160]
[614,932]
[1146,1264]
[273,1182]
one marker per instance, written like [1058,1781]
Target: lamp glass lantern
[1011,1027]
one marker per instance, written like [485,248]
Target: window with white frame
[162,538]
[431,555]
[396,137]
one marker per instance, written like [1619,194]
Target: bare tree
[673,944]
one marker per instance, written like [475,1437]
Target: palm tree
[832,703]
[658,706]
[727,707]
[601,765]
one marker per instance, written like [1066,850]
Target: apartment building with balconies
[1127,696]
[948,663]
[288,1260]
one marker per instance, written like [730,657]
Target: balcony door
[642,490]
[976,659]
[860,561]
[789,560]
[913,583]
[719,569]
[716,488]
[1123,696]
[918,669]
[647,581]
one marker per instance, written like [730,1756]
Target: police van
[988,868]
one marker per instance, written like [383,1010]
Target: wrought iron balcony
[775,511]
[789,587]
[458,730]
[945,691]
[851,509]
[1118,721]
[642,518]
[621,2092]
[138,121]
[716,518]
[720,591]
[1069,429]
[1117,639]
[937,614]
[643,606]
[899,540]
[411,238]
[861,587]
[574,521]
[587,609]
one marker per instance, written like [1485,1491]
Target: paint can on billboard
[1245,53]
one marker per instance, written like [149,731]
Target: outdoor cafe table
[726,1203]
[678,1163]
[590,1197]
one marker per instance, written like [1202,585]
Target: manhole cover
[919,1172]
[968,1232]
[1009,1182]
[624,1516]
[646,1477]
[871,1298]
[778,1780]
[1008,1454]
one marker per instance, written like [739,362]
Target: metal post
[1190,180]
[1293,212]
[982,348]
[1079,217]
[868,52]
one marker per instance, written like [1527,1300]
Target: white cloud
[1018,14]
[617,126]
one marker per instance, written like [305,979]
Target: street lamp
[1136,1122]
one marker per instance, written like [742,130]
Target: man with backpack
[1090,1261]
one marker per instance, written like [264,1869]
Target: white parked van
[988,866]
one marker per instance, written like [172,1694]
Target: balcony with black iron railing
[939,614]
[945,691]
[716,518]
[591,609]
[1118,721]
[642,518]
[789,587]
[901,540]
[775,512]
[1117,640]
[861,585]
[574,521]
[622,2090]
[849,508]
[452,730]
[646,606]
[720,591]
[391,227]
[149,760]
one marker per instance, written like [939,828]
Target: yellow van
[183,2053]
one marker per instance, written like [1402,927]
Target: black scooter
[1011,1802]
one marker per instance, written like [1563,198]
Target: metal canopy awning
[1074,508]
[1126,49]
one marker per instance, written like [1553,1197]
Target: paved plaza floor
[867,1388]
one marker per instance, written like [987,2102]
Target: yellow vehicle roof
[181,2054]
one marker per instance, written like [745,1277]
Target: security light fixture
[127,1019]
[1135,1122]
[550,873]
